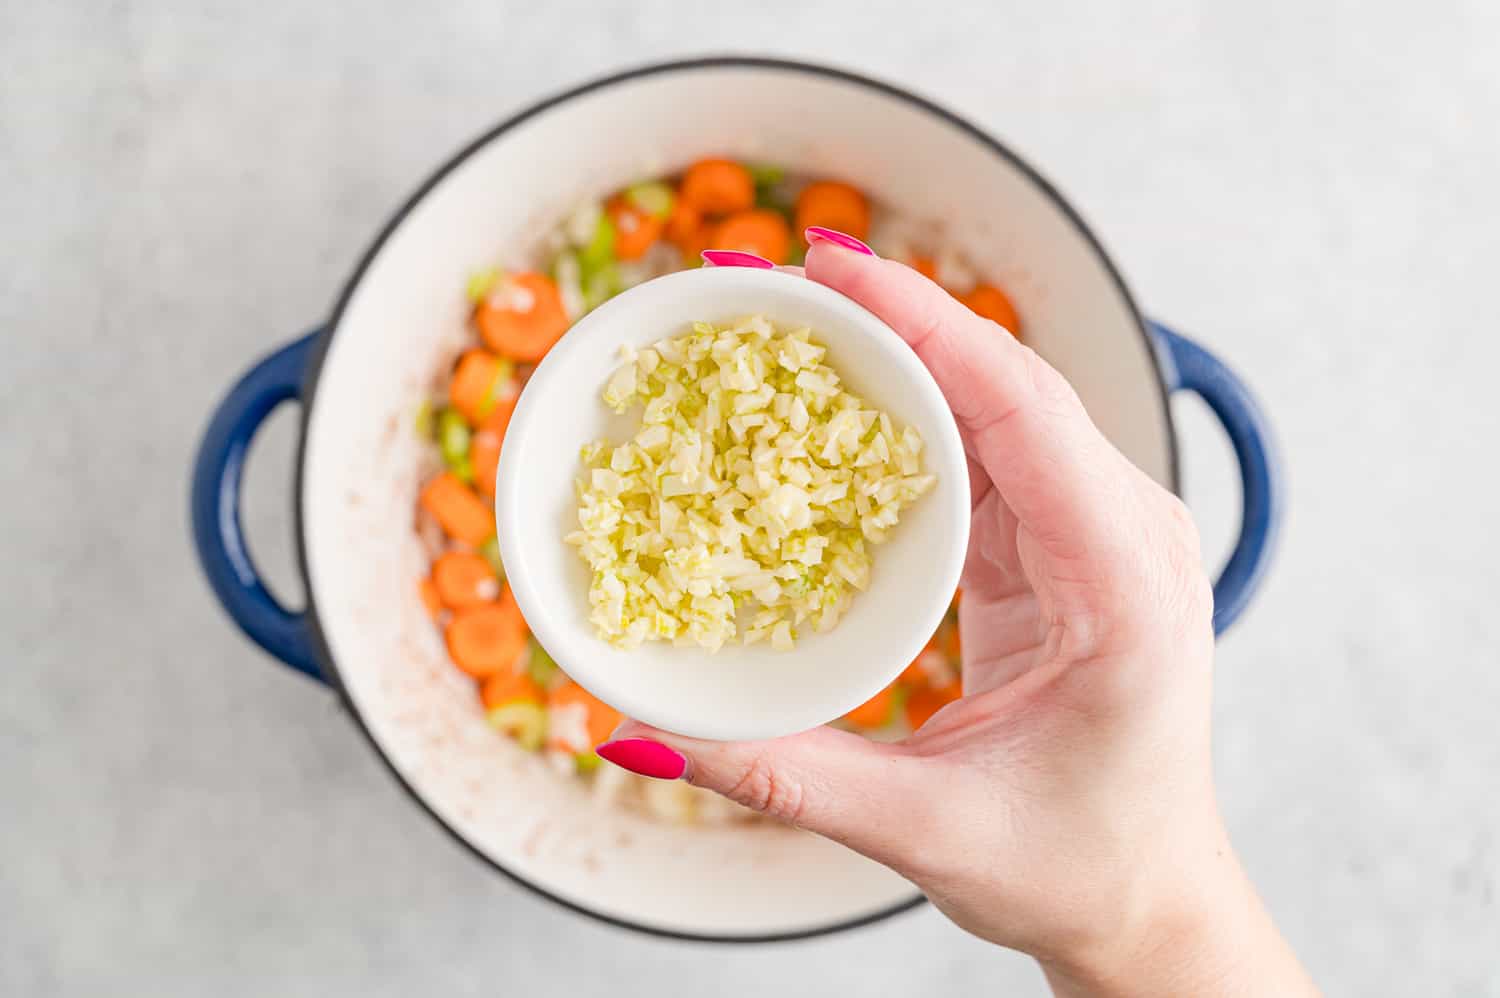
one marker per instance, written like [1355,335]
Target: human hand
[1065,806]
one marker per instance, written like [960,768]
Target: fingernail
[645,757]
[734,258]
[818,234]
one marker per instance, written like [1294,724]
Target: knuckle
[761,788]
[1052,390]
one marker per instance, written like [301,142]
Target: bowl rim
[571,639]
[319,352]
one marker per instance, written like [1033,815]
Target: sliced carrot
[499,418]
[833,206]
[476,385]
[484,459]
[430,598]
[636,231]
[874,712]
[506,687]
[523,316]
[602,718]
[461,513]
[951,644]
[464,579]
[718,187]
[923,703]
[990,302]
[507,603]
[485,639]
[761,232]
[685,222]
[924,265]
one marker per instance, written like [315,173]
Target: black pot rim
[325,338]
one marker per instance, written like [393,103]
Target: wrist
[1207,933]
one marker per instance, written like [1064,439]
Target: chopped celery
[797,255]
[766,174]
[453,438]
[482,283]
[523,720]
[580,223]
[600,249]
[587,762]
[600,286]
[426,425]
[567,272]
[654,198]
[505,370]
[490,551]
[768,199]
[540,666]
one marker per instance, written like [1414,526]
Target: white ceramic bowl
[739,692]
[402,315]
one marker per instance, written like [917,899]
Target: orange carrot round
[833,206]
[761,232]
[508,687]
[923,703]
[462,514]
[990,302]
[602,718]
[484,459]
[475,387]
[924,265]
[951,644]
[523,316]
[718,187]
[874,712]
[430,598]
[464,579]
[485,639]
[684,222]
[636,231]
[507,604]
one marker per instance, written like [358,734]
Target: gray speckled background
[1311,189]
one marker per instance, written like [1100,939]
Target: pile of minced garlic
[747,502]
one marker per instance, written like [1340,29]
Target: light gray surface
[1310,189]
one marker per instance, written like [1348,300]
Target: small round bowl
[739,692]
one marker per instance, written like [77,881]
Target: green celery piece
[424,423]
[587,762]
[481,283]
[600,286]
[504,372]
[766,174]
[600,251]
[523,720]
[540,666]
[453,438]
[653,197]
[490,551]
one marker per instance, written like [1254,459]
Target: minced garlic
[746,503]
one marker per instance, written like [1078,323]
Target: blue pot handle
[1191,368]
[216,507]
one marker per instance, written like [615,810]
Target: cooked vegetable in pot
[642,231]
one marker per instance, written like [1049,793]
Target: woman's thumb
[840,785]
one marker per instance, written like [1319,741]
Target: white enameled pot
[361,376]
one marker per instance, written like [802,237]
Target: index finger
[1027,427]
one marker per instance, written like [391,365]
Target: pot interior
[403,318]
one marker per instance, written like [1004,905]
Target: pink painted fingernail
[734,258]
[645,757]
[818,234]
